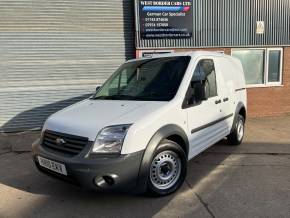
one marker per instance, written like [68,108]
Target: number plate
[52,165]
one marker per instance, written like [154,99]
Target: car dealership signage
[165,19]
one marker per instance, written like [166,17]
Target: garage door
[54,53]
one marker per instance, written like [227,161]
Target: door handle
[226,99]
[218,101]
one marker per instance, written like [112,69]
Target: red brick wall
[268,101]
[272,101]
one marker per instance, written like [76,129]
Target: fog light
[109,180]
[106,181]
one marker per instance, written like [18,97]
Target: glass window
[155,79]
[253,63]
[274,61]
[118,82]
[261,66]
[205,71]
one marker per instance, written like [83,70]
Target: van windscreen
[156,79]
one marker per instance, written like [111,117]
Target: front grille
[71,144]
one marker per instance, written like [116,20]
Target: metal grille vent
[64,143]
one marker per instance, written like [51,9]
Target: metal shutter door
[54,53]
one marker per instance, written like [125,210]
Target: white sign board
[260,27]
[150,53]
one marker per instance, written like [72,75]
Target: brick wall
[272,101]
[268,101]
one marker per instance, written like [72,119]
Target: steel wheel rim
[165,170]
[240,130]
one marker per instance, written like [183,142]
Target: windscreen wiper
[121,97]
[115,97]
[100,97]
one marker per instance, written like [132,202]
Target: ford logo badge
[60,141]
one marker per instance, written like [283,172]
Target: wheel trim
[165,170]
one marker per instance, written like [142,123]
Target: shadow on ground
[23,176]
[223,181]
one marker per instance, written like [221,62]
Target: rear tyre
[167,169]
[237,135]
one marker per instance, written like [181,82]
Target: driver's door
[203,116]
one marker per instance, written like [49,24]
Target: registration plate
[52,165]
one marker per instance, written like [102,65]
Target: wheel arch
[171,132]
[240,109]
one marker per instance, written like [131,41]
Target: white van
[150,117]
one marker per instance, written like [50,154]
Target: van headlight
[110,139]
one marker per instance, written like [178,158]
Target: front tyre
[237,135]
[167,169]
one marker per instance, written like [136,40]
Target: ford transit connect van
[152,116]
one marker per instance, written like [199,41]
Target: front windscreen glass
[156,79]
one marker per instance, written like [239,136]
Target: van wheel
[167,169]
[236,137]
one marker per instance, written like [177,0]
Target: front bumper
[92,172]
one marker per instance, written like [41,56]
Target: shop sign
[165,19]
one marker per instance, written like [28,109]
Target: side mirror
[199,91]
[97,88]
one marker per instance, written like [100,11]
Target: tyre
[237,135]
[167,169]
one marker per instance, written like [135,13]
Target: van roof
[191,53]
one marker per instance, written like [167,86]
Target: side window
[205,72]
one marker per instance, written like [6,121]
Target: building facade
[255,31]
[54,53]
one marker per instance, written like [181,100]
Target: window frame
[280,83]
[266,67]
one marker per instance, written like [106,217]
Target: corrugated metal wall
[232,23]
[53,53]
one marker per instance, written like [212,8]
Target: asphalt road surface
[252,180]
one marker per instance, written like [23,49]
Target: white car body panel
[88,117]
